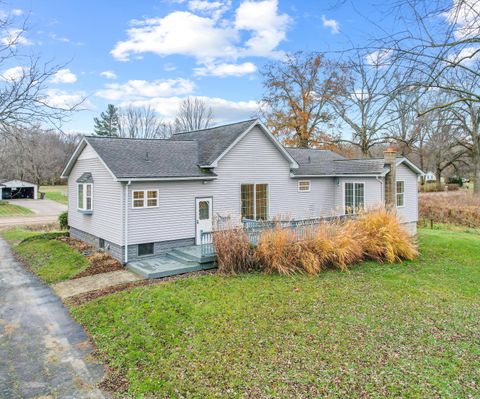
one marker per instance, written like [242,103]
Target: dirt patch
[80,246]
[90,296]
[100,262]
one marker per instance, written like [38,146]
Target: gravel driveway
[45,211]
[43,352]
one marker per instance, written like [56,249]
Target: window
[303,186]
[85,197]
[145,249]
[203,210]
[254,201]
[400,193]
[145,198]
[354,197]
[101,243]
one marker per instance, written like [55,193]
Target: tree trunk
[438,176]
[476,174]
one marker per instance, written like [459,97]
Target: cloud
[13,74]
[13,37]
[466,56]
[256,29]
[67,99]
[64,76]
[16,12]
[224,110]
[379,58]
[267,26]
[222,70]
[465,15]
[213,8]
[331,24]
[108,74]
[141,89]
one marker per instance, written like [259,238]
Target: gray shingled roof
[146,158]
[309,155]
[212,142]
[341,167]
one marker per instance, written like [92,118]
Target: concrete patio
[178,261]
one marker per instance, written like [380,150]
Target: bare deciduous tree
[142,122]
[298,91]
[364,103]
[193,114]
[24,98]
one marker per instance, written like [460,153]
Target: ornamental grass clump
[234,252]
[279,251]
[383,238]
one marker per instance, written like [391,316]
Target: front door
[203,217]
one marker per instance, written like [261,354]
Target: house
[137,198]
[15,189]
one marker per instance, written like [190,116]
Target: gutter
[126,220]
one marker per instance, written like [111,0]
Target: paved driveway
[43,352]
[45,211]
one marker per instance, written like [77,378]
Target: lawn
[405,330]
[7,209]
[56,193]
[52,260]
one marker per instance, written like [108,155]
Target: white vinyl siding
[409,212]
[253,160]
[107,218]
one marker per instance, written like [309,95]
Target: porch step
[161,266]
[179,257]
[192,253]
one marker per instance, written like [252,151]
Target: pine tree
[108,123]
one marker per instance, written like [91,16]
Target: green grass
[52,260]
[404,330]
[7,209]
[56,193]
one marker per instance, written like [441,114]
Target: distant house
[430,176]
[139,198]
[16,189]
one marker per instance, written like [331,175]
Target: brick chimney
[390,155]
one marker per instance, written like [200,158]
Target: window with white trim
[354,197]
[400,193]
[303,186]
[85,197]
[254,200]
[144,198]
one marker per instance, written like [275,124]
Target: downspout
[382,191]
[126,220]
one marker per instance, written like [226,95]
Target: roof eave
[177,178]
[411,165]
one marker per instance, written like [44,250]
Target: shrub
[3,202]
[234,252]
[63,220]
[383,238]
[453,187]
[455,180]
[459,208]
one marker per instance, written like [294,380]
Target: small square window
[152,198]
[138,199]
[304,186]
[145,249]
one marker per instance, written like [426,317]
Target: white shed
[15,189]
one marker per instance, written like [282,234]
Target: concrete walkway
[67,289]
[43,352]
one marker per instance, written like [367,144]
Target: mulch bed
[89,296]
[100,262]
